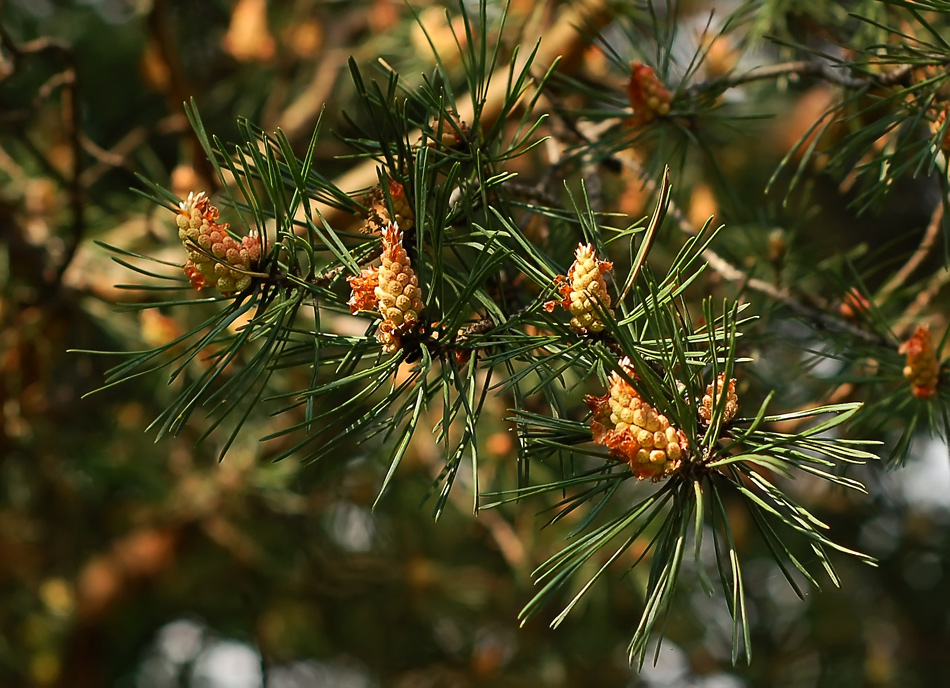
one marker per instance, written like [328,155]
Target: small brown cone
[398,295]
[634,431]
[922,369]
[454,132]
[215,258]
[937,125]
[853,304]
[649,98]
[708,403]
[379,214]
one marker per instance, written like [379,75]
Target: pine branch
[927,243]
[802,68]
[461,285]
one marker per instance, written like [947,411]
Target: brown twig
[18,51]
[117,157]
[911,316]
[77,193]
[927,242]
[299,116]
[801,68]
[68,80]
[179,89]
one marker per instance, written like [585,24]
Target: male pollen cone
[398,295]
[649,98]
[224,261]
[634,431]
[732,400]
[582,289]
[922,369]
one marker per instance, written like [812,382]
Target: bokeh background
[126,561]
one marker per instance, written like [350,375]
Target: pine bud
[454,130]
[777,246]
[649,98]
[634,431]
[937,125]
[732,401]
[397,292]
[934,73]
[853,304]
[922,369]
[379,214]
[583,288]
[721,55]
[214,256]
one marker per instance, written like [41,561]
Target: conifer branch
[820,317]
[560,41]
[802,68]
[633,410]
[927,243]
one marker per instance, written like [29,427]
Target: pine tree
[490,253]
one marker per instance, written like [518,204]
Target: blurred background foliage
[125,562]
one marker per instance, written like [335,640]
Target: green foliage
[499,160]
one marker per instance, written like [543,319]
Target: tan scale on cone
[634,431]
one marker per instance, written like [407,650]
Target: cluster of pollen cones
[215,258]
